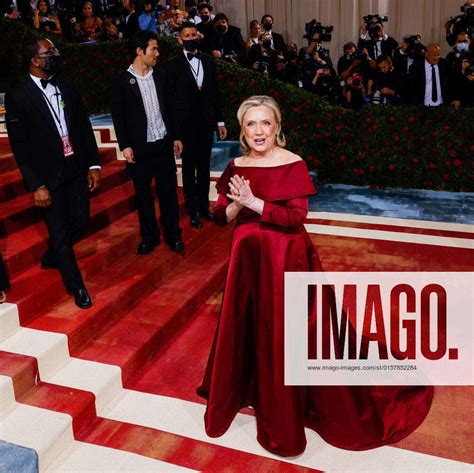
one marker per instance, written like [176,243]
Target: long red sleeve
[291,214]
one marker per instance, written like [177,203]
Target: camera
[415,47]
[315,27]
[374,23]
[467,10]
[469,69]
[263,62]
[358,54]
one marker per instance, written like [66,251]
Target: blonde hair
[258,101]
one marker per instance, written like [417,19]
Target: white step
[47,432]
[9,321]
[85,457]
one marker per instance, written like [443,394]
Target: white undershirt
[155,129]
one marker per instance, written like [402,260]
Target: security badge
[67,146]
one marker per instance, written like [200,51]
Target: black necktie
[192,56]
[434,86]
[45,82]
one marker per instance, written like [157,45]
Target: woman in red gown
[266,193]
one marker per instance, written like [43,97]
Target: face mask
[267,43]
[204,18]
[192,13]
[462,47]
[190,44]
[221,29]
[267,26]
[53,64]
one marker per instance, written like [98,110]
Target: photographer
[278,43]
[410,50]
[325,83]
[288,68]
[262,57]
[354,92]
[386,88]
[461,47]
[311,62]
[460,23]
[353,60]
[466,82]
[374,39]
[225,41]
[316,34]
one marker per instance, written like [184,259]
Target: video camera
[373,24]
[467,10]
[315,27]
[463,22]
[415,47]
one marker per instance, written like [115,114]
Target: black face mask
[190,45]
[192,13]
[205,18]
[53,65]
[267,26]
[221,29]
[267,43]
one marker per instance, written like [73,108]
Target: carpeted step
[8,163]
[22,369]
[149,442]
[114,292]
[25,247]
[145,328]
[20,212]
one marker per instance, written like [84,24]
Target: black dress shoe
[146,247]
[82,298]
[206,215]
[48,263]
[177,246]
[196,221]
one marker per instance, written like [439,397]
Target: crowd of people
[375,68]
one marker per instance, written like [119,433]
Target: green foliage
[410,147]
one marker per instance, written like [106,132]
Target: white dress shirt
[429,86]
[197,70]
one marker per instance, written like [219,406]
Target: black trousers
[158,164]
[66,219]
[197,147]
[4,283]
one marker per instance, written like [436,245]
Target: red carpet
[155,317]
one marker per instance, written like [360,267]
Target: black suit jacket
[230,42]
[417,82]
[131,26]
[278,42]
[35,140]
[188,104]
[387,46]
[128,112]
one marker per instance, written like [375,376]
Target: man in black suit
[140,117]
[130,25]
[55,149]
[278,43]
[224,40]
[428,79]
[192,94]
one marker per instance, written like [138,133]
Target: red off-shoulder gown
[246,362]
